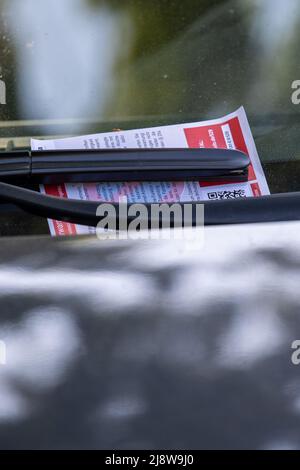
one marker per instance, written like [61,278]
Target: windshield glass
[84,66]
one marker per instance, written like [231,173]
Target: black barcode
[235,194]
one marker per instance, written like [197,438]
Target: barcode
[235,194]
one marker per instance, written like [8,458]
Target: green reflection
[146,61]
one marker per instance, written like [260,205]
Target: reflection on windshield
[65,57]
[274,33]
[85,66]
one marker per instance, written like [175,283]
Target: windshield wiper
[62,166]
[273,208]
[137,165]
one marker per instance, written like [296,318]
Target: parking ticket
[231,131]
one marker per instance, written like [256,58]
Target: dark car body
[149,344]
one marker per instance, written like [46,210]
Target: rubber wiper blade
[62,166]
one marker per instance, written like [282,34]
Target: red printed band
[60,227]
[225,135]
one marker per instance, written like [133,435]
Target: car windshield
[85,66]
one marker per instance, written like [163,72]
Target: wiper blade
[58,166]
[62,166]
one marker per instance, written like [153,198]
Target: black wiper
[273,208]
[194,164]
[62,166]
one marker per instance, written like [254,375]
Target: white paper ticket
[231,131]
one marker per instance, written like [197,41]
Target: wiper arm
[273,208]
[62,166]
[137,165]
